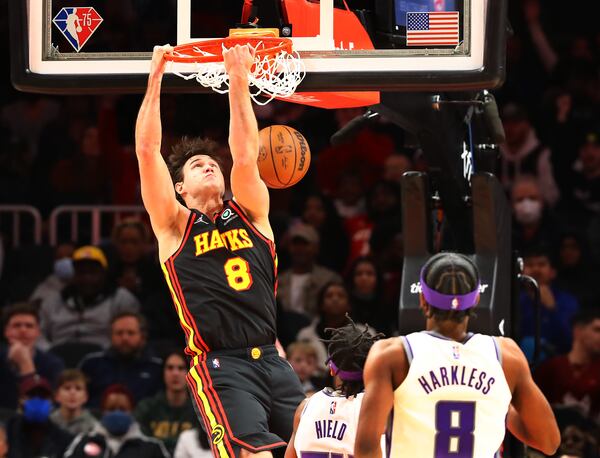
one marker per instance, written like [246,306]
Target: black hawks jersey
[222,280]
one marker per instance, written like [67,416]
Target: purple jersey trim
[407,349]
[497,348]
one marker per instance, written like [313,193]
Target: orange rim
[191,52]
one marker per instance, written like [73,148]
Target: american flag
[432,29]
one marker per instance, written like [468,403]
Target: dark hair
[453,274]
[348,348]
[129,313]
[367,259]
[585,316]
[325,288]
[117,388]
[134,223]
[174,352]
[187,148]
[71,375]
[20,308]
[539,250]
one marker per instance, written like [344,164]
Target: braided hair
[453,274]
[348,348]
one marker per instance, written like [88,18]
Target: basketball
[283,156]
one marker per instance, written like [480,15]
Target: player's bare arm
[167,216]
[530,417]
[247,187]
[290,451]
[385,369]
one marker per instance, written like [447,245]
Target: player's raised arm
[530,417]
[247,187]
[157,188]
[379,398]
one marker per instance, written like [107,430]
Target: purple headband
[347,376]
[449,301]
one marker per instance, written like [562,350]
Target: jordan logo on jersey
[233,240]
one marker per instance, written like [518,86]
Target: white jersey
[454,400]
[328,424]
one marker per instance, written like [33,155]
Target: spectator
[577,273]
[320,212]
[128,261]
[193,443]
[572,380]
[83,178]
[363,154]
[350,195]
[20,359]
[31,434]
[523,153]
[117,435]
[303,358]
[169,412]
[127,361]
[558,306]
[383,209]
[533,223]
[71,395]
[3,441]
[334,307]
[365,284]
[298,286]
[61,275]
[82,311]
[586,189]
[387,249]
[395,166]
[577,442]
[579,435]
[136,269]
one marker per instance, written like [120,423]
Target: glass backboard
[94,46]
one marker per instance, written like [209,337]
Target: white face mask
[528,211]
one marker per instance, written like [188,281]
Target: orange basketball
[283,157]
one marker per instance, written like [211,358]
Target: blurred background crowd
[92,348]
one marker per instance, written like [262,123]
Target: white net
[271,76]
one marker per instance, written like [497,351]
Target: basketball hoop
[277,70]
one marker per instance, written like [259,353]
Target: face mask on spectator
[36,410]
[63,269]
[117,422]
[528,211]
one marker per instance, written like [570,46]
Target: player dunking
[453,393]
[220,264]
[326,422]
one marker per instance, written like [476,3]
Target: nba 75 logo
[77,24]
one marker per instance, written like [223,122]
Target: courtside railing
[24,222]
[90,223]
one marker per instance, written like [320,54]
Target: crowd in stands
[92,353]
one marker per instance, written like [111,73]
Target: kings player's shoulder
[390,348]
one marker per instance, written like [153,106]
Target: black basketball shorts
[245,399]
